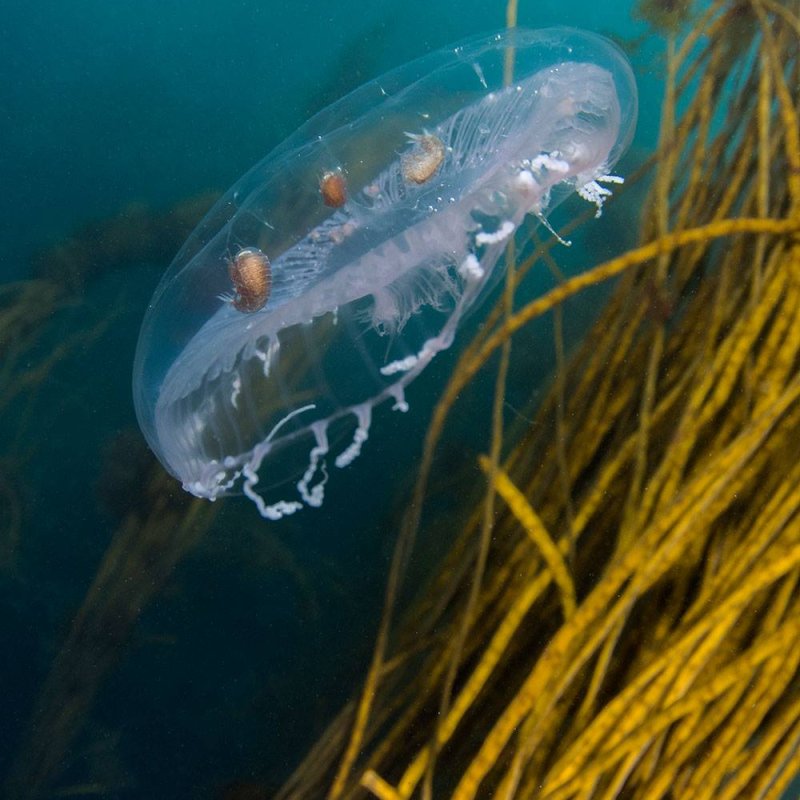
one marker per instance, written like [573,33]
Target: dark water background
[261,633]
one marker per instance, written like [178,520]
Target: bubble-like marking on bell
[333,188]
[251,275]
[421,163]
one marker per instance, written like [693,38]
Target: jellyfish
[266,381]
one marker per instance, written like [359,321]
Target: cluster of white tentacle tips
[593,192]
[531,170]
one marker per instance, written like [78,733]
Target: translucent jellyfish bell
[331,274]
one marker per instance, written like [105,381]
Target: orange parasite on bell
[421,163]
[251,275]
[333,188]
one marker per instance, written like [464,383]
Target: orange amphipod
[251,275]
[333,188]
[422,162]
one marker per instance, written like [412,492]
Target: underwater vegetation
[154,529]
[619,616]
[145,548]
[136,235]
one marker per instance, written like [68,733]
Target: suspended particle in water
[251,275]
